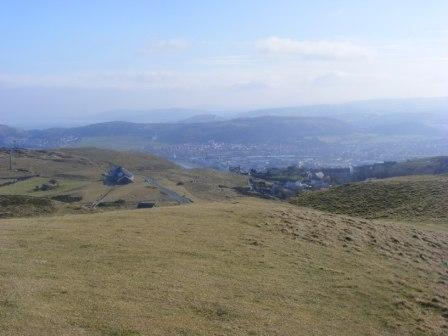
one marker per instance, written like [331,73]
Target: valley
[356,133]
[80,259]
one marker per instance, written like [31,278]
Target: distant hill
[419,116]
[424,117]
[412,198]
[403,128]
[9,134]
[368,107]
[202,118]
[245,130]
[251,130]
[168,115]
[6,131]
[334,134]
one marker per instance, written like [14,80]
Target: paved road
[170,193]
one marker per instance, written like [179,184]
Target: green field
[27,187]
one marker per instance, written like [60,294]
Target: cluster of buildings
[287,182]
[312,153]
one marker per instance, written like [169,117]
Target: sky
[66,60]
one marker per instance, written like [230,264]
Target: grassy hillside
[423,166]
[17,206]
[413,198]
[136,161]
[248,268]
[78,173]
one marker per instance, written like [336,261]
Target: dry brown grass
[247,268]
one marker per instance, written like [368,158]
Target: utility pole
[10,158]
[11,151]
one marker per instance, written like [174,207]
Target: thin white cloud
[112,80]
[441,31]
[331,78]
[249,86]
[228,60]
[314,49]
[248,77]
[169,45]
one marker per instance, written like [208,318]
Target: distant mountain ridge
[434,110]
[245,130]
[202,118]
[335,134]
[166,115]
[372,107]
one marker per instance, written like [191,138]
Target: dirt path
[170,193]
[101,198]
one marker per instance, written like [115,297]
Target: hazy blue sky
[69,58]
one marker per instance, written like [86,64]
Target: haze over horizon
[61,62]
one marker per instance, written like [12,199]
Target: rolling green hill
[412,198]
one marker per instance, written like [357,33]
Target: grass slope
[248,268]
[413,198]
[18,206]
[79,174]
